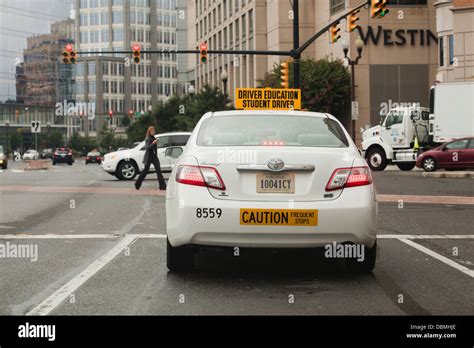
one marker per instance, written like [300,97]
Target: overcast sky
[20,19]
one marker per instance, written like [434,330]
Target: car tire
[429,164]
[365,266]
[406,166]
[54,163]
[87,162]
[376,159]
[127,170]
[179,259]
[70,163]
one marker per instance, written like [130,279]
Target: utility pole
[296,44]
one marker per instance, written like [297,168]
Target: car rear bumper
[63,159]
[350,218]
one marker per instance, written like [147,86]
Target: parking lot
[101,249]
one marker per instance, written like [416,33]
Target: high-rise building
[455,26]
[113,82]
[399,60]
[42,79]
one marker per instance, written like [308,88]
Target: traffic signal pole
[296,44]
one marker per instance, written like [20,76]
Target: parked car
[240,170]
[122,148]
[3,158]
[46,153]
[127,164]
[455,155]
[31,155]
[93,157]
[63,155]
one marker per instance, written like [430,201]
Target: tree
[16,139]
[56,138]
[125,121]
[107,138]
[325,85]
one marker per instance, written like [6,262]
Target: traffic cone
[417,145]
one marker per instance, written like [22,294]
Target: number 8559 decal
[208,213]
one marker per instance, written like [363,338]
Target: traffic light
[378,8]
[130,113]
[203,52]
[285,74]
[136,53]
[352,21]
[69,54]
[334,33]
[111,114]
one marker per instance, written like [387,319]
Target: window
[92,87]
[104,18]
[84,19]
[254,130]
[250,23]
[471,144]
[394,118]
[117,17]
[336,6]
[117,35]
[94,19]
[91,68]
[457,145]
[178,140]
[441,51]
[94,36]
[451,49]
[105,86]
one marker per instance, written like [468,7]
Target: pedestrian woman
[151,157]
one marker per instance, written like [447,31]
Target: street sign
[35,127]
[267,99]
[355,110]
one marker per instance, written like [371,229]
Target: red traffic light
[69,47]
[110,113]
[136,47]
[203,47]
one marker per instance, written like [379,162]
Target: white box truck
[410,129]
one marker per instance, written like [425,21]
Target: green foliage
[16,139]
[125,121]
[82,144]
[56,138]
[325,84]
[179,113]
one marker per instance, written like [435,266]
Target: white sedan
[31,155]
[271,179]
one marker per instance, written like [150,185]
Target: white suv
[126,164]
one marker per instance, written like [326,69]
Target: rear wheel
[126,170]
[429,164]
[179,259]
[377,159]
[366,265]
[406,166]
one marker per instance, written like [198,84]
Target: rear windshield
[62,150]
[262,130]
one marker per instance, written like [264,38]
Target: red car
[455,155]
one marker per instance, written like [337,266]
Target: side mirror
[143,148]
[174,152]
[444,148]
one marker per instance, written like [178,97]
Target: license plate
[278,217]
[62,154]
[275,183]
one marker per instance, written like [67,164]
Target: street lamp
[224,78]
[359,44]
[7,125]
[48,126]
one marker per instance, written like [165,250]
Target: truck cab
[396,139]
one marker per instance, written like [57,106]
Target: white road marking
[439,257]
[58,236]
[17,171]
[425,236]
[60,295]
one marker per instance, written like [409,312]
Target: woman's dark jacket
[150,150]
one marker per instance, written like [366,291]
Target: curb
[448,175]
[37,165]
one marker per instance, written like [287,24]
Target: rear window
[262,130]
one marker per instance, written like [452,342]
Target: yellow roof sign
[267,99]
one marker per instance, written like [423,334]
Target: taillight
[87,157]
[200,176]
[349,177]
[56,154]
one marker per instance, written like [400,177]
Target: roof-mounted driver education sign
[267,99]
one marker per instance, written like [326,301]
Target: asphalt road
[101,249]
